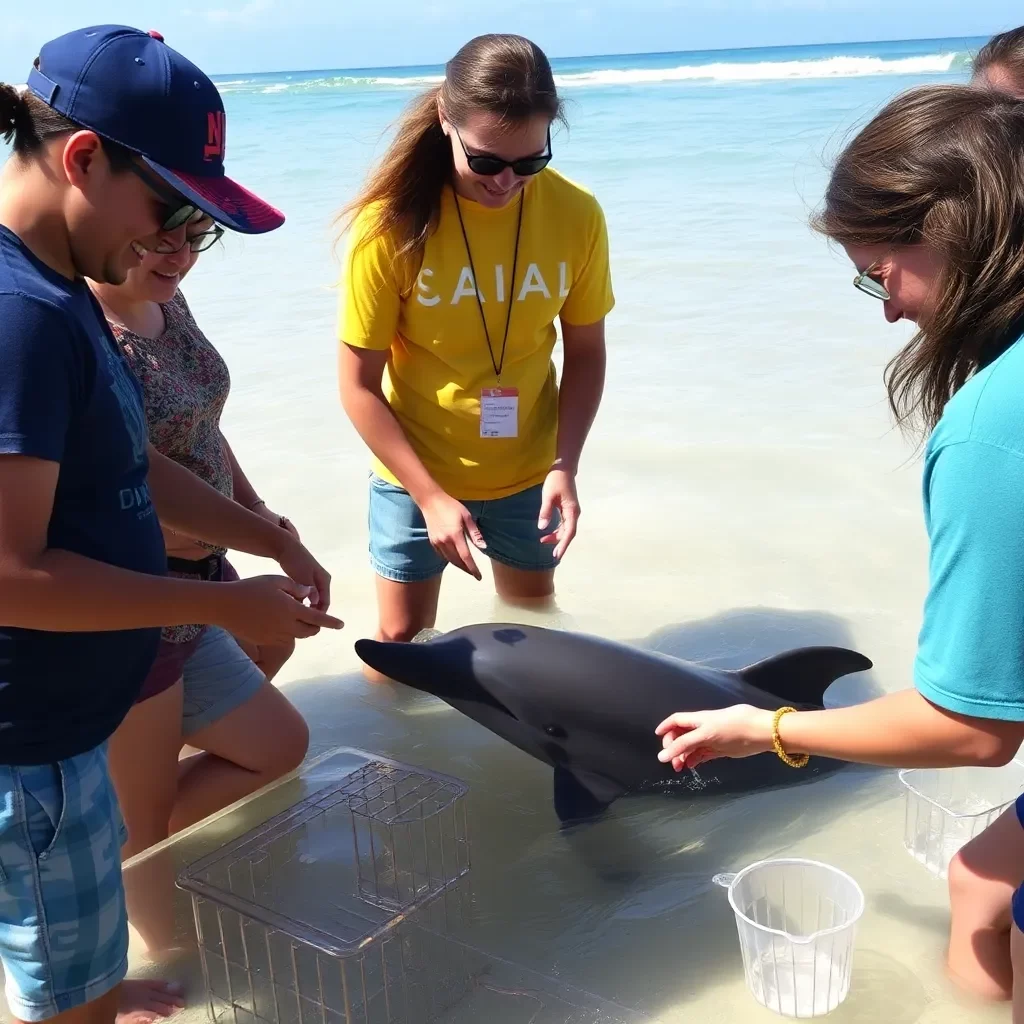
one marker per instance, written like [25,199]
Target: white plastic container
[796,921]
[948,807]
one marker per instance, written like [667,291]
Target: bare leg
[982,879]
[530,589]
[245,750]
[143,760]
[1017,956]
[404,609]
[268,658]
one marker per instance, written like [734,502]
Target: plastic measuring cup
[796,921]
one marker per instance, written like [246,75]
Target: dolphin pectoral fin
[580,794]
[803,675]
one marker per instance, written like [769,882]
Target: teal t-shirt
[970,657]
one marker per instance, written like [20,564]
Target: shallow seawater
[743,491]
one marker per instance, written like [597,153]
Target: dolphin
[588,706]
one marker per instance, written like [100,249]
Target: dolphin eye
[555,731]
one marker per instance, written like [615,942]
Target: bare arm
[580,390]
[579,395]
[188,505]
[900,730]
[52,589]
[360,372]
[245,493]
[448,521]
[59,591]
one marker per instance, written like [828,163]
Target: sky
[227,36]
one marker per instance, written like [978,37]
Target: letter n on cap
[215,128]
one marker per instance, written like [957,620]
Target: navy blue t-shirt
[67,396]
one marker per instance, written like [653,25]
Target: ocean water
[743,491]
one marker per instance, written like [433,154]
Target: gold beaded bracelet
[794,762]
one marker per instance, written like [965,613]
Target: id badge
[499,412]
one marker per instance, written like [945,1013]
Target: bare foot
[143,1002]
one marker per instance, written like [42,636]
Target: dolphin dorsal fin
[803,675]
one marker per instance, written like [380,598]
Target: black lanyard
[476,285]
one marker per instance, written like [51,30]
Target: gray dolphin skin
[588,706]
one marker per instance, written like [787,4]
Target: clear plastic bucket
[948,807]
[796,921]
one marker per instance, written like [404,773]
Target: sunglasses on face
[178,212]
[487,165]
[871,285]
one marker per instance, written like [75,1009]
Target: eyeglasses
[197,243]
[178,213]
[488,165]
[870,285]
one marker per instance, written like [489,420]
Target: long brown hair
[1005,50]
[503,75]
[941,166]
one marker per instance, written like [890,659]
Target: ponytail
[16,120]
[28,123]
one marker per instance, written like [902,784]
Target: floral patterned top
[186,383]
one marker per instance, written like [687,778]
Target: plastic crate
[947,807]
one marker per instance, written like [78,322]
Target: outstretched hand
[691,738]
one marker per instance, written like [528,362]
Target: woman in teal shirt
[928,203]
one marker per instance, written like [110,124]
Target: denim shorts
[63,925]
[172,656]
[218,677]
[401,551]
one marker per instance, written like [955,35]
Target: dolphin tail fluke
[581,796]
[803,675]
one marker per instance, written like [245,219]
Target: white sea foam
[755,71]
[829,67]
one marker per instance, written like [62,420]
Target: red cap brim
[224,200]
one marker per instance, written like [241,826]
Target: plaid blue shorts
[63,925]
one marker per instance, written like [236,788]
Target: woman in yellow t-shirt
[465,247]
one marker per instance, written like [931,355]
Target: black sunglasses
[179,210]
[488,165]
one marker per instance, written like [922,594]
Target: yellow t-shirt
[428,317]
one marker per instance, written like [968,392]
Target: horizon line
[630,53]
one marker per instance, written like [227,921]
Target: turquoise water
[706,163]
[742,490]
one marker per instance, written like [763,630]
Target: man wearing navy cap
[118,143]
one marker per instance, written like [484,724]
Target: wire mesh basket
[337,909]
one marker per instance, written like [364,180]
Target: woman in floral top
[204,689]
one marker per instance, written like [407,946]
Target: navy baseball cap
[130,87]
